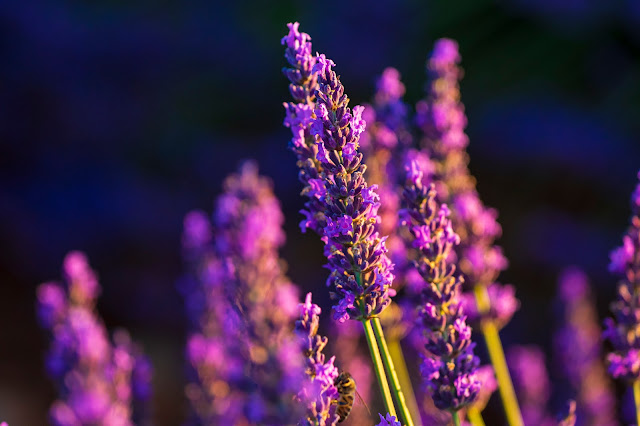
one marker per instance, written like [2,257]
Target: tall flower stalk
[442,120]
[623,329]
[450,367]
[98,381]
[245,357]
[341,207]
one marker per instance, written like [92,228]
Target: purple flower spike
[246,363]
[621,330]
[388,420]
[319,392]
[361,270]
[94,377]
[577,347]
[442,120]
[450,370]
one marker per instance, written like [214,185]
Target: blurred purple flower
[621,330]
[246,365]
[95,378]
[577,347]
[442,120]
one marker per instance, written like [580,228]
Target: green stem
[636,398]
[379,368]
[405,380]
[475,417]
[391,373]
[496,353]
[456,418]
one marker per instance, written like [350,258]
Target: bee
[346,386]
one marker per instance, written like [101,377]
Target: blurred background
[118,117]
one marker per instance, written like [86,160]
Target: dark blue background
[117,117]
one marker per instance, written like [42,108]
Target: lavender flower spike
[361,270]
[442,119]
[622,330]
[99,382]
[247,366]
[450,370]
[319,392]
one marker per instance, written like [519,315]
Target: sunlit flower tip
[445,52]
[388,420]
[388,86]
[83,283]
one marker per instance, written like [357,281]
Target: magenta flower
[246,366]
[624,361]
[99,381]
[442,120]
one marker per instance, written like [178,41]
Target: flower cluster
[361,270]
[319,392]
[622,330]
[99,382]
[243,350]
[578,349]
[442,119]
[450,369]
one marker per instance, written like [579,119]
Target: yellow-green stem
[405,380]
[379,368]
[496,353]
[456,418]
[636,398]
[475,417]
[405,416]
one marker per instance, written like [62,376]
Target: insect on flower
[346,386]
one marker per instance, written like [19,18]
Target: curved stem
[379,368]
[496,353]
[391,372]
[636,398]
[405,380]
